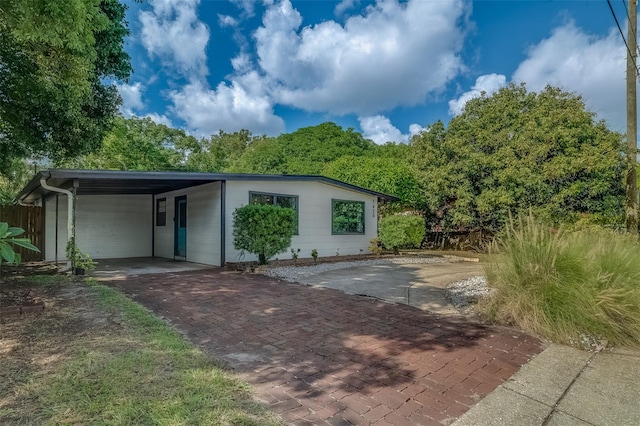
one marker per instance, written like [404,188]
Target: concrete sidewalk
[566,386]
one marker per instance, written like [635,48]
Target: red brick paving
[319,356]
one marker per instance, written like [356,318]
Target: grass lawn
[96,357]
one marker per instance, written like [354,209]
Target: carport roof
[103,182]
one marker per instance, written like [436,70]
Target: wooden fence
[31,220]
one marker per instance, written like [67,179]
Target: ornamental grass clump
[567,286]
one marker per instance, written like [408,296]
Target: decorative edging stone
[21,310]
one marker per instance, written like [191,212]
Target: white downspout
[70,200]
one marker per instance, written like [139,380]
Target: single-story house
[189,216]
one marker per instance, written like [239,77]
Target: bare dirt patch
[32,346]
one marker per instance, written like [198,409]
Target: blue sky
[387,68]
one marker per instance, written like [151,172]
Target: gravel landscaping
[464,293]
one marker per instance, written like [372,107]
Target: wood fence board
[29,218]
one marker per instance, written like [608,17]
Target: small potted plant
[81,261]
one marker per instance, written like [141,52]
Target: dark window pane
[161,212]
[288,202]
[347,217]
[182,214]
[262,199]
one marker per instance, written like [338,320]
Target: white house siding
[50,228]
[107,226]
[203,225]
[114,226]
[314,208]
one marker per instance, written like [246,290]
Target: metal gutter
[70,206]
[223,226]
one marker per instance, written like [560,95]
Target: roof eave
[34,183]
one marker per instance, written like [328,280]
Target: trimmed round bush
[262,229]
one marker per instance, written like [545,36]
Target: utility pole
[632,120]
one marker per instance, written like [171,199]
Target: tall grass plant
[568,286]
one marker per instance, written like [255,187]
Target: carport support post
[76,184]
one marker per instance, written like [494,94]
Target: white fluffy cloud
[247,6]
[575,61]
[393,54]
[488,83]
[131,95]
[344,5]
[160,119]
[230,107]
[173,32]
[379,129]
[227,21]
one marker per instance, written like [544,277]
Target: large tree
[516,150]
[56,58]
[305,151]
[140,144]
[221,152]
[393,176]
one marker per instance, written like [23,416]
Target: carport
[120,204]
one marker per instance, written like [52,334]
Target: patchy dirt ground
[33,345]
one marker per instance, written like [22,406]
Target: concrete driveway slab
[607,392]
[414,284]
[576,387]
[505,407]
[320,356]
[546,378]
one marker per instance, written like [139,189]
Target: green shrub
[262,229]
[570,287]
[401,231]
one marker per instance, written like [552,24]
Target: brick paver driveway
[319,356]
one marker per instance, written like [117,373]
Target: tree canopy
[141,144]
[54,58]
[305,151]
[221,152]
[516,150]
[383,174]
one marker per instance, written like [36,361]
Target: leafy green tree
[14,178]
[221,152]
[141,144]
[401,231]
[263,229]
[388,175]
[56,57]
[261,156]
[399,151]
[305,151]
[516,150]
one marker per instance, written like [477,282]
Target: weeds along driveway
[319,356]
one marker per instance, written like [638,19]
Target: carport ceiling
[127,186]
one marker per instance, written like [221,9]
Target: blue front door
[180,247]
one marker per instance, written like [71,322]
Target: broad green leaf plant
[8,240]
